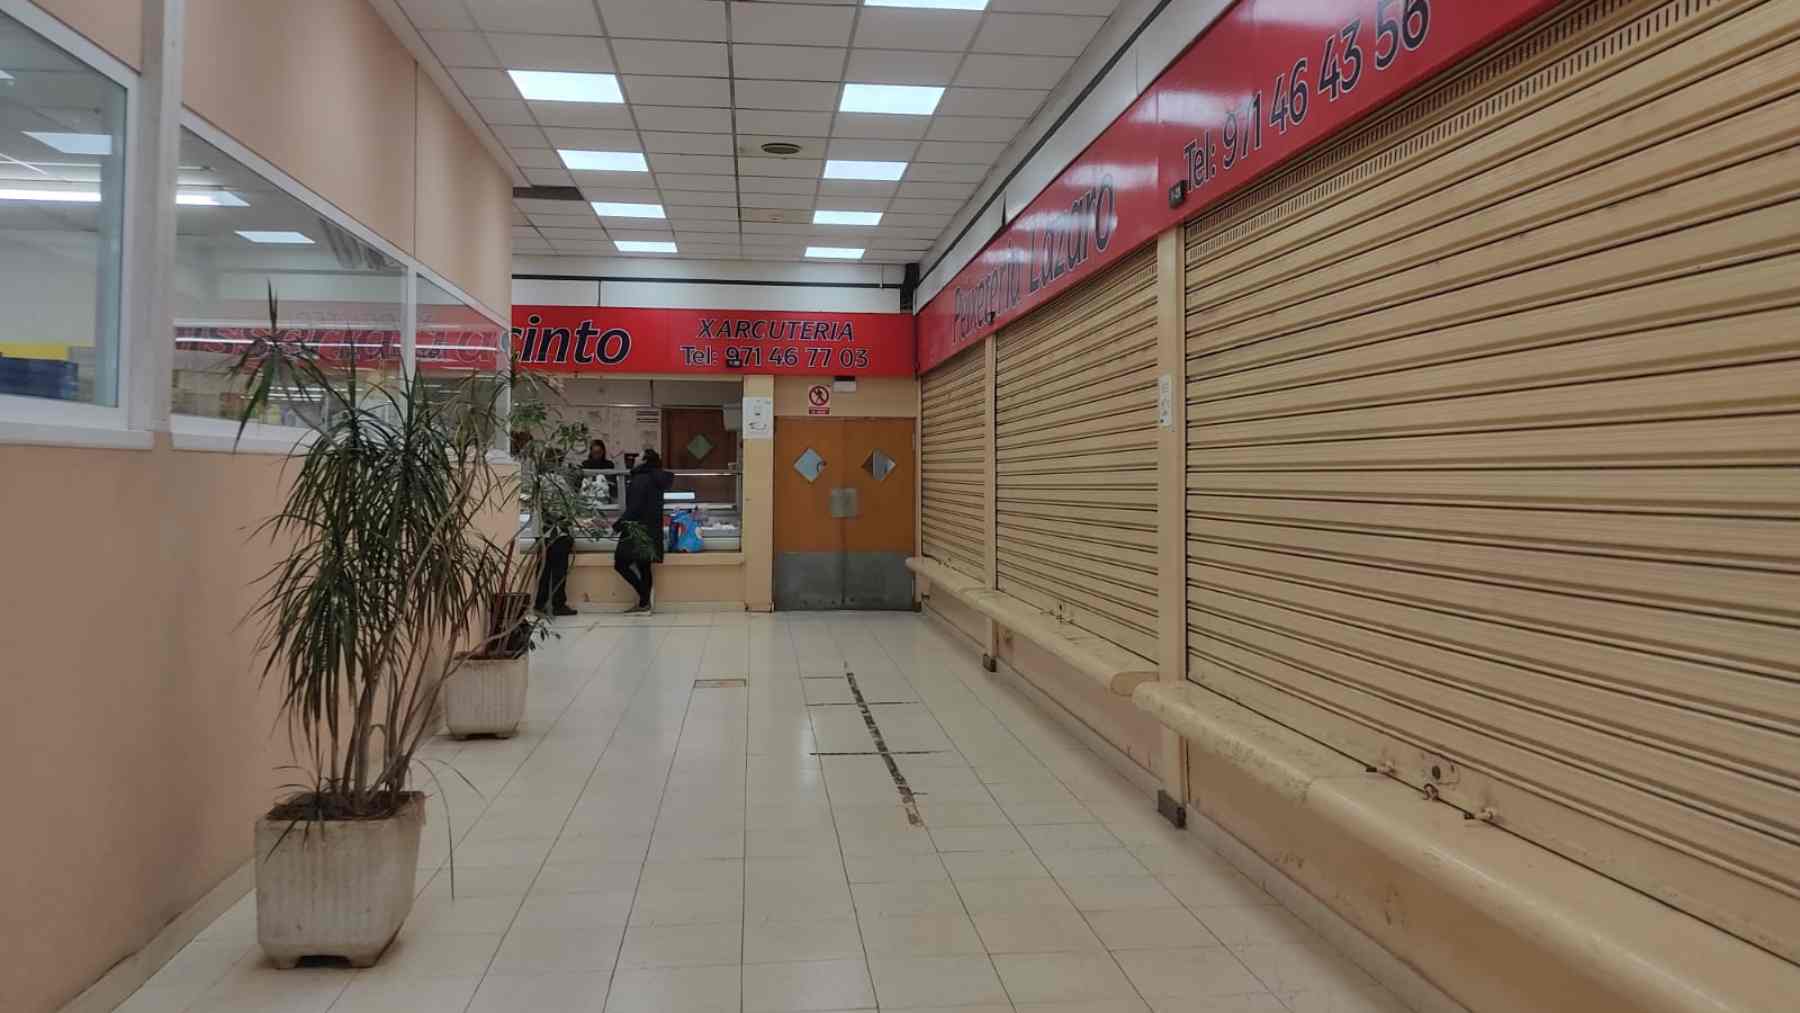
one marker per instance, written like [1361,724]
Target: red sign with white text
[1267,80]
[608,339]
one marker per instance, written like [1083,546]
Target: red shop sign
[1267,80]
[607,339]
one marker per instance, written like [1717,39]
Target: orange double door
[844,513]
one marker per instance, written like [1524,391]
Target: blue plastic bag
[684,532]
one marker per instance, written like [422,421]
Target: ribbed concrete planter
[339,888]
[487,696]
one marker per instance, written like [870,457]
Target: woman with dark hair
[639,528]
[598,461]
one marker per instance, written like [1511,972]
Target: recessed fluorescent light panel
[210,199]
[640,246]
[604,161]
[74,144]
[835,252]
[4,76]
[886,171]
[562,86]
[610,209]
[52,196]
[936,5]
[277,238]
[846,218]
[900,99]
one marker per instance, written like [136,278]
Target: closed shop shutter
[954,467]
[1075,435]
[1494,426]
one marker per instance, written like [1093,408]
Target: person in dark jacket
[598,461]
[644,506]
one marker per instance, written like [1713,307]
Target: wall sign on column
[759,418]
[607,339]
[818,399]
[1268,80]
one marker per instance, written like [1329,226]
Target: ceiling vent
[775,216]
[780,147]
[567,193]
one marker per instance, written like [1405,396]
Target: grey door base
[862,581]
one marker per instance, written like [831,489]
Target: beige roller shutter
[1076,455]
[955,462]
[1494,447]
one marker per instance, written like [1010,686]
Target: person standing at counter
[640,523]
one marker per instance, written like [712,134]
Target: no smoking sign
[818,399]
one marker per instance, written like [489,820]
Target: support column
[1171,488]
[990,379]
[758,533]
[149,311]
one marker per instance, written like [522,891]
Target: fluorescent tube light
[886,171]
[898,99]
[210,199]
[936,5]
[52,196]
[642,246]
[4,76]
[604,161]
[277,238]
[835,252]
[611,209]
[74,144]
[562,86]
[846,218]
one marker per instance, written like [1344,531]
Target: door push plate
[843,502]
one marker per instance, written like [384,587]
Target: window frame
[56,423]
[502,351]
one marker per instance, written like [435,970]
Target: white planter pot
[487,696]
[339,888]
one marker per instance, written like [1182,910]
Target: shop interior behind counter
[696,425]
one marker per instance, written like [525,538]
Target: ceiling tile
[751,145]
[519,218]
[592,115]
[542,17]
[1015,102]
[696,181]
[786,95]
[794,63]
[676,91]
[565,215]
[438,14]
[525,232]
[783,124]
[551,52]
[694,20]
[578,246]
[959,151]
[461,49]
[622,194]
[765,230]
[777,184]
[1094,8]
[897,218]
[549,177]
[593,140]
[945,172]
[699,119]
[958,192]
[538,207]
[873,151]
[503,111]
[843,203]
[532,246]
[777,200]
[991,70]
[484,83]
[796,167]
[910,28]
[880,125]
[517,136]
[700,198]
[585,234]
[641,234]
[706,164]
[858,187]
[682,59]
[922,205]
[791,23]
[973,128]
[901,66]
[682,210]
[590,180]
[687,144]
[1043,34]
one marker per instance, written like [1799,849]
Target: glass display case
[715,498]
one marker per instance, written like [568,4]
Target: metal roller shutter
[1494,418]
[1075,459]
[955,462]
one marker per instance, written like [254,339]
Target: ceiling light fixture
[835,252]
[884,171]
[936,5]
[610,209]
[895,99]
[4,76]
[52,196]
[604,161]
[642,246]
[210,199]
[563,86]
[277,238]
[846,218]
[74,144]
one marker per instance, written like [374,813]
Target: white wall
[702,284]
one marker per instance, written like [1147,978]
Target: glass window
[458,352]
[62,213]
[241,238]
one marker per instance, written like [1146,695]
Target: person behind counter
[598,461]
[644,507]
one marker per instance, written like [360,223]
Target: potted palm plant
[362,619]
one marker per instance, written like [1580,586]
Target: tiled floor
[647,846]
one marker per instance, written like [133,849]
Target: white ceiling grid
[707,83]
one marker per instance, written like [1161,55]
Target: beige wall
[874,398]
[464,220]
[116,26]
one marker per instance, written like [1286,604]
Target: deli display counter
[711,501]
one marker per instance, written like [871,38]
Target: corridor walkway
[698,817]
